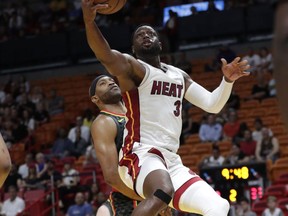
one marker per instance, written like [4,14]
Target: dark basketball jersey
[118,204]
[120,124]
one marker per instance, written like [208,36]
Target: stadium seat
[279,190]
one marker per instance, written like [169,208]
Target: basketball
[114,6]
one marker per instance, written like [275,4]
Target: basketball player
[280,55]
[5,161]
[153,94]
[107,133]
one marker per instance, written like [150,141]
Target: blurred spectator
[244,208]
[211,7]
[62,145]
[24,168]
[171,30]
[253,60]
[210,131]
[239,137]
[22,79]
[225,52]
[36,96]
[272,85]
[188,126]
[80,144]
[183,63]
[88,118]
[41,115]
[2,94]
[25,103]
[215,159]
[235,156]
[13,179]
[93,191]
[232,126]
[90,156]
[16,24]
[257,133]
[14,204]
[41,164]
[46,178]
[266,60]
[20,131]
[222,116]
[98,200]
[81,208]
[28,120]
[233,101]
[85,131]
[69,183]
[259,90]
[268,147]
[194,11]
[32,181]
[55,103]
[272,209]
[248,145]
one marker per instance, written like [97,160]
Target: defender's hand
[90,10]
[235,69]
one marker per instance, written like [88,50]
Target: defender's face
[108,91]
[146,41]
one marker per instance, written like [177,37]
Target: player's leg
[202,199]
[192,194]
[5,161]
[157,187]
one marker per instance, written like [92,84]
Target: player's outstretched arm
[280,56]
[213,102]
[116,63]
[103,132]
[5,161]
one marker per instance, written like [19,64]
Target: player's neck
[114,108]
[154,61]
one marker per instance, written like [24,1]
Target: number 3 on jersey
[177,108]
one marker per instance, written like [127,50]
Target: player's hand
[90,10]
[235,69]
[166,212]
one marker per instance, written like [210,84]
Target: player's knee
[220,209]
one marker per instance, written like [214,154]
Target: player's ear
[95,99]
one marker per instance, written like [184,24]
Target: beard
[110,97]
[152,51]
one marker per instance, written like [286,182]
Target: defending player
[107,133]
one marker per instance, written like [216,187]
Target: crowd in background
[28,18]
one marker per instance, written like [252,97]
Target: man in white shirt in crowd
[14,204]
[23,168]
[253,59]
[85,131]
[210,131]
